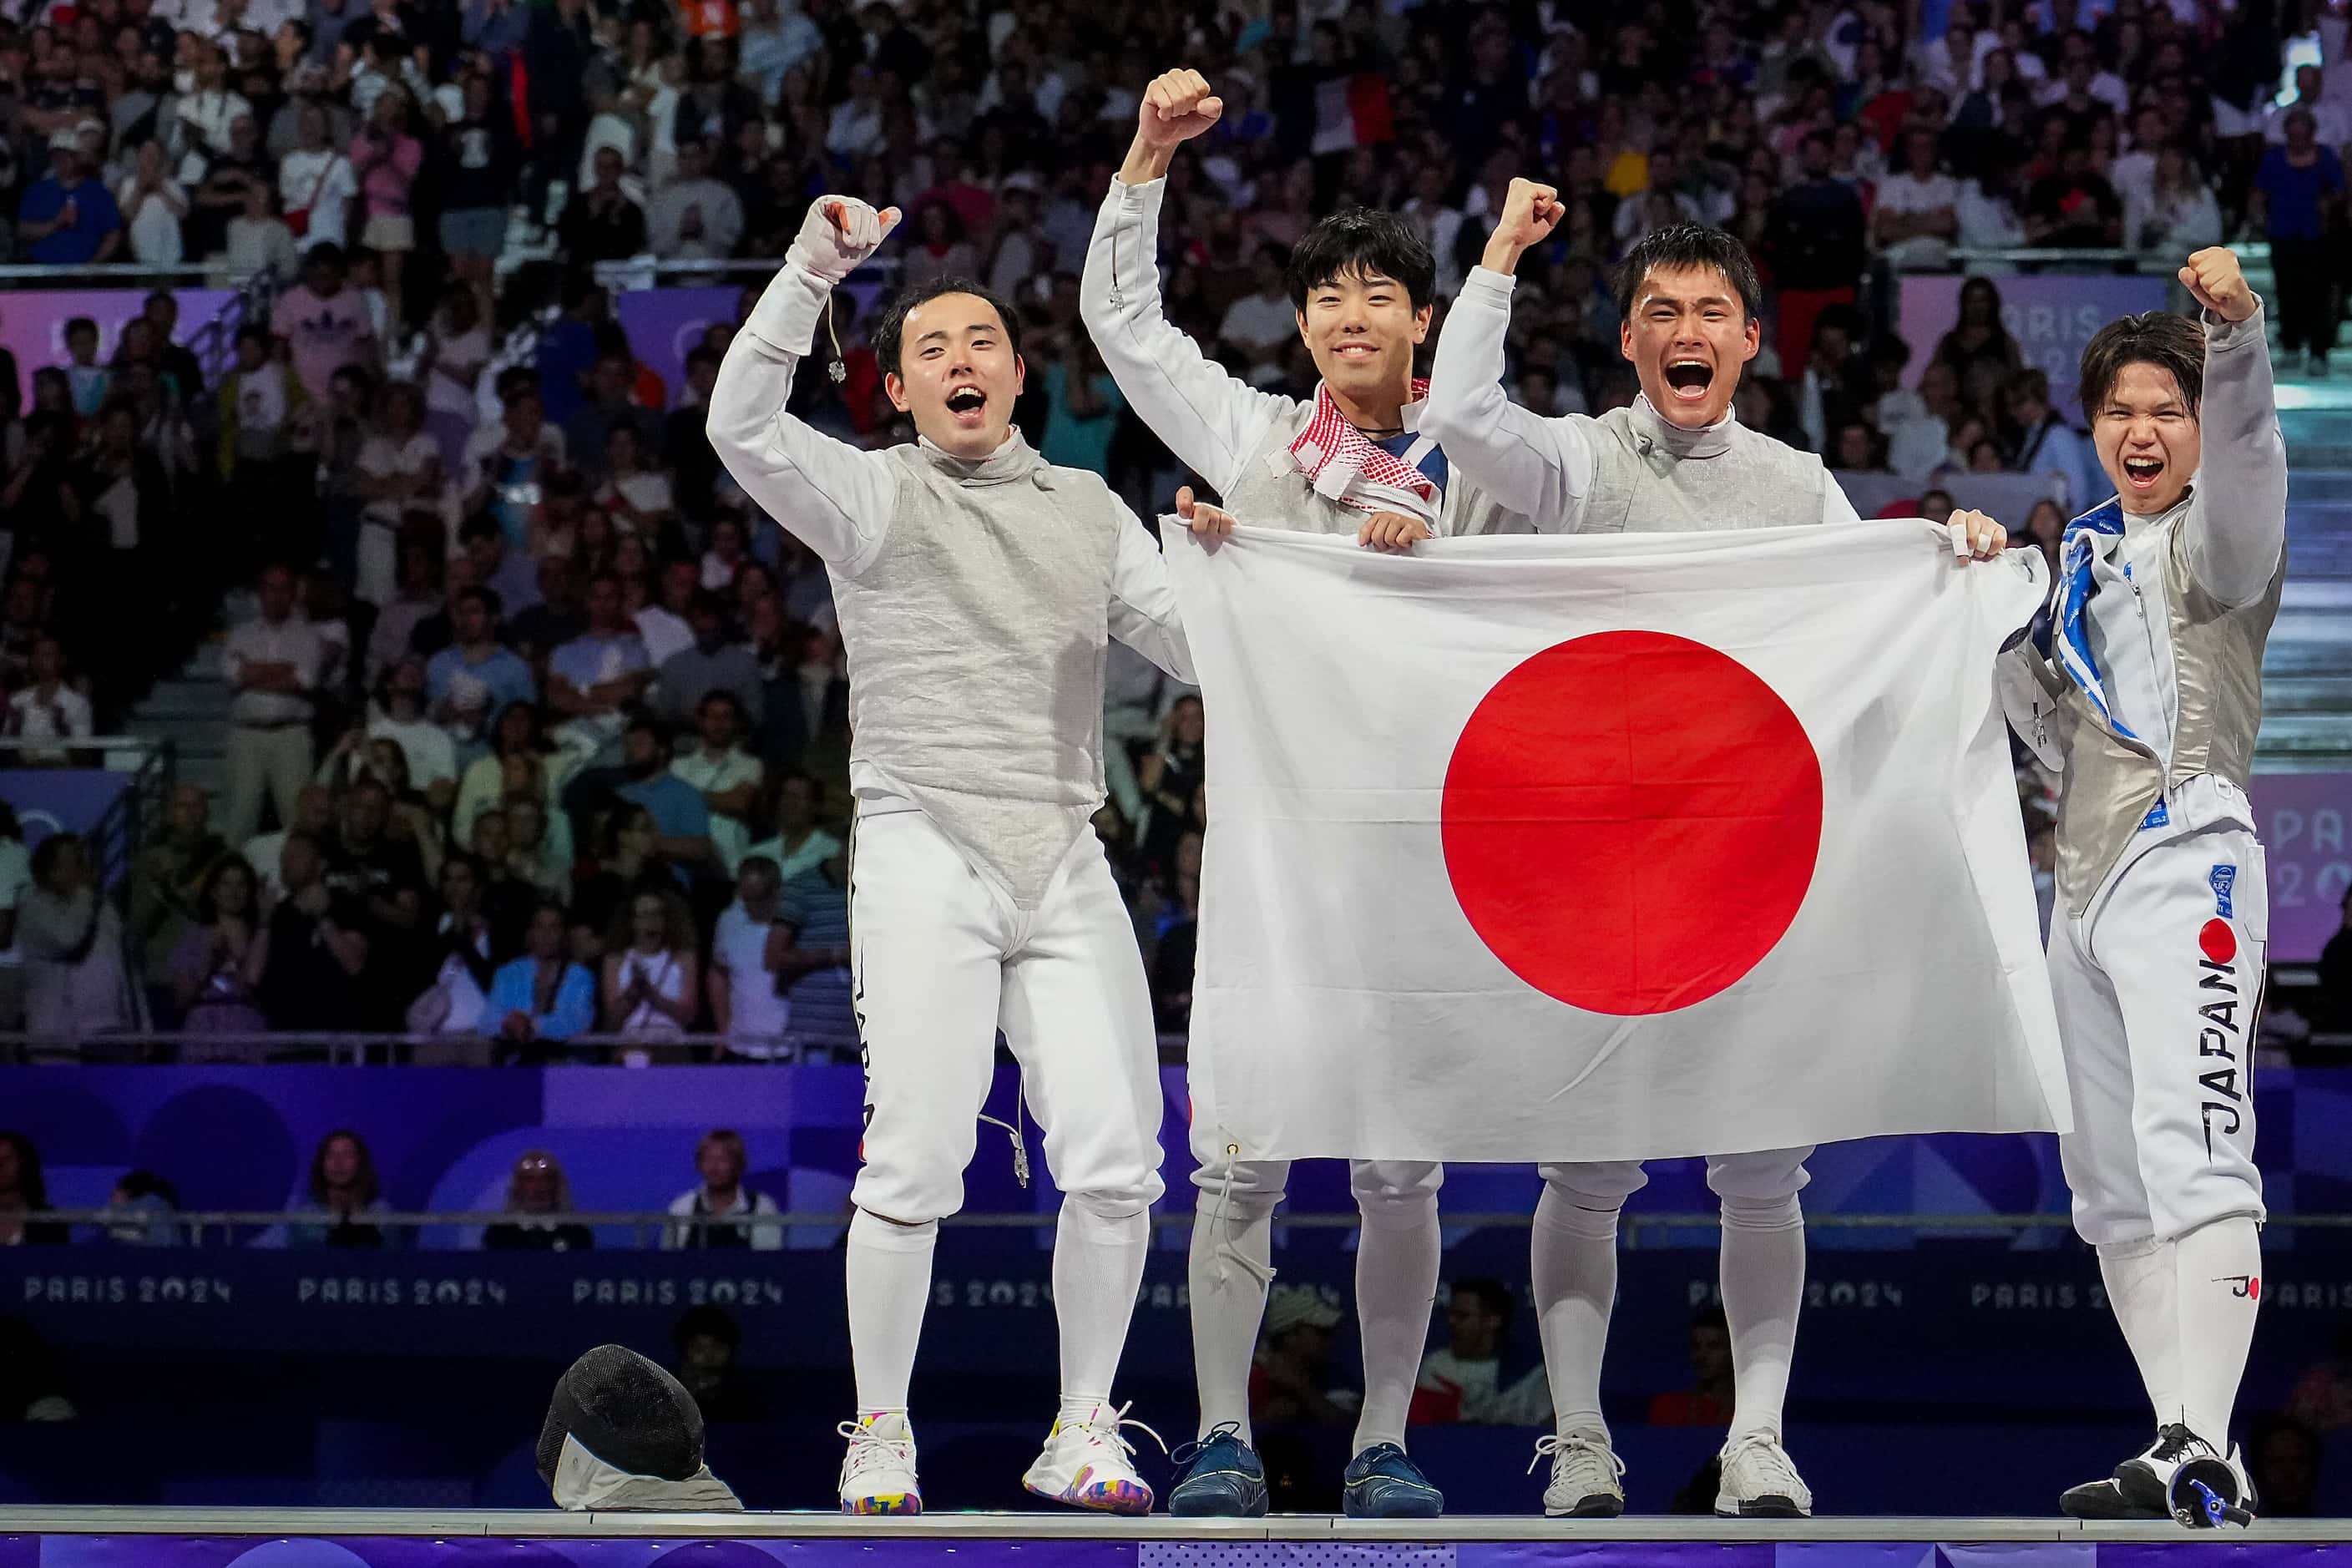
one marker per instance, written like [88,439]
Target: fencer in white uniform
[2147,700]
[1348,461]
[1677,459]
[975,586]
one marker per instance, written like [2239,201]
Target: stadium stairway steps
[2307,675]
[191,710]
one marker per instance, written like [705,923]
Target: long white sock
[1574,1261]
[889,1270]
[1098,1269]
[2142,1281]
[1228,1304]
[1396,1290]
[2218,1271]
[1763,1288]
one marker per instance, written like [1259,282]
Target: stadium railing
[381,1049]
[198,1227]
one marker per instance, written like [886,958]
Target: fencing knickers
[623,1435]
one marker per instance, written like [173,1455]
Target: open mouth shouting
[1689,379]
[2143,472]
[967,406]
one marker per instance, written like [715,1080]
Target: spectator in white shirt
[1440,224]
[273,662]
[2132,173]
[314,814]
[2179,213]
[722,1162]
[201,130]
[1917,215]
[1261,321]
[728,777]
[2331,121]
[152,204]
[47,709]
[316,185]
[745,1008]
[694,216]
[1987,211]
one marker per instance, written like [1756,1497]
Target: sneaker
[1088,1464]
[1221,1478]
[2144,1480]
[2102,1499]
[1381,1483]
[877,1475]
[1588,1478]
[1759,1481]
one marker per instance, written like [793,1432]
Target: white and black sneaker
[1588,1478]
[2141,1487]
[1759,1481]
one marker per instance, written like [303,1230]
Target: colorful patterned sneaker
[1381,1483]
[1088,1464]
[877,1475]
[1222,1477]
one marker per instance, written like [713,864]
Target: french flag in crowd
[1352,112]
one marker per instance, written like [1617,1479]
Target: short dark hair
[1680,245]
[81,324]
[2170,343]
[1357,242]
[1491,1294]
[492,605]
[893,324]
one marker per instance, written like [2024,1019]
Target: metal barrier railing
[641,272]
[191,1227]
[122,274]
[369,1048]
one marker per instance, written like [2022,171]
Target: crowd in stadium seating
[546,727]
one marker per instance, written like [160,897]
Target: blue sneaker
[1221,1478]
[1381,1483]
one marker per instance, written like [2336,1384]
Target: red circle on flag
[2219,942]
[1632,821]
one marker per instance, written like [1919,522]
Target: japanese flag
[1611,848]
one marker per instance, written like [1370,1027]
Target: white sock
[1763,1288]
[2142,1283]
[1396,1290]
[1574,1260]
[1098,1269]
[889,1271]
[2217,1271]
[1228,1304]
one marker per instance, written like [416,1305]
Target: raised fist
[2213,279]
[839,233]
[1530,211]
[1177,107]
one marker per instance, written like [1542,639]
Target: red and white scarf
[1344,465]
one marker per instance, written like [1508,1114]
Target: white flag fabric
[1593,847]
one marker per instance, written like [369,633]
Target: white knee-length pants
[1761,1176]
[2157,988]
[943,959]
[1249,1189]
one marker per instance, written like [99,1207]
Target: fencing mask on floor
[623,1435]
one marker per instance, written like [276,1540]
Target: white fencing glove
[838,233]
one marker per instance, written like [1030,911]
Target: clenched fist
[1177,107]
[1530,211]
[838,233]
[2213,279]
